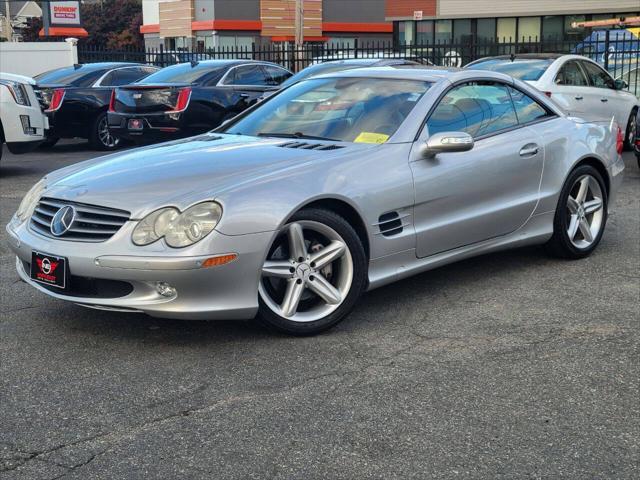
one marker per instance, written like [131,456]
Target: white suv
[22,123]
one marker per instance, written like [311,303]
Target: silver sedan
[339,184]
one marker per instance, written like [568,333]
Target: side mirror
[621,85]
[447,142]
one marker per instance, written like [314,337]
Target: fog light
[165,289]
[26,125]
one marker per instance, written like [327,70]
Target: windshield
[320,69]
[365,110]
[184,73]
[78,77]
[522,69]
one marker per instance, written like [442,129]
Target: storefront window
[462,30]
[405,33]
[506,30]
[486,29]
[552,28]
[443,31]
[529,29]
[424,32]
[571,33]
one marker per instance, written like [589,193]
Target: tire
[100,138]
[325,234]
[632,131]
[570,215]
[48,143]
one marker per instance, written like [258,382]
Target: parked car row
[107,103]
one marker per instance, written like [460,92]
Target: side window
[249,75]
[478,108]
[571,74]
[527,109]
[597,76]
[108,79]
[277,75]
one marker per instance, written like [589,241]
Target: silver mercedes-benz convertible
[336,185]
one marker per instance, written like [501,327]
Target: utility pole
[299,35]
[299,25]
[46,17]
[7,22]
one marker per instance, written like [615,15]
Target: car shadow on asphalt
[368,313]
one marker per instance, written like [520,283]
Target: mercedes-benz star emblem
[63,220]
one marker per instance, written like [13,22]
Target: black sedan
[190,98]
[76,99]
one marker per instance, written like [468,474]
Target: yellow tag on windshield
[369,137]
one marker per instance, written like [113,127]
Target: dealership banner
[64,13]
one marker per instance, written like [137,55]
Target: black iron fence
[616,52]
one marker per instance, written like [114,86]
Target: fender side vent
[390,224]
[310,146]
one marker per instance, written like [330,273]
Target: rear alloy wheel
[101,137]
[314,273]
[632,131]
[581,214]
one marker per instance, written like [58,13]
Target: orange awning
[65,32]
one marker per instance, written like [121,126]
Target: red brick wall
[405,8]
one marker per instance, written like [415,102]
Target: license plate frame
[135,124]
[50,270]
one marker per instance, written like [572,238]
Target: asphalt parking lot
[511,365]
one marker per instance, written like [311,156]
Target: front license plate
[135,124]
[49,269]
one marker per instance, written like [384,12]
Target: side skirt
[391,268]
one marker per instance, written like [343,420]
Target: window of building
[443,31]
[405,33]
[462,30]
[571,33]
[529,29]
[506,31]
[486,29]
[552,28]
[425,31]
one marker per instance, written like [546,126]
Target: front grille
[310,146]
[91,223]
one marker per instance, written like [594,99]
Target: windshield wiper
[295,135]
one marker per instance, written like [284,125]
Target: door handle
[604,100]
[579,97]
[529,150]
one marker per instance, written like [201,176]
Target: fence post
[606,51]
[355,48]
[162,56]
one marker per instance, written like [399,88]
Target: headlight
[178,229]
[18,91]
[30,200]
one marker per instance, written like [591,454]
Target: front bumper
[224,292]
[157,127]
[13,126]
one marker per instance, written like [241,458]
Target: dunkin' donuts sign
[65,13]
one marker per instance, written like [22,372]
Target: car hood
[17,78]
[182,172]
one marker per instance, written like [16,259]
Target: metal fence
[619,54]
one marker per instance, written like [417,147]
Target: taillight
[548,94]
[112,101]
[183,100]
[620,142]
[56,100]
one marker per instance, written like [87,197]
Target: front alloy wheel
[313,274]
